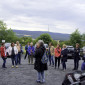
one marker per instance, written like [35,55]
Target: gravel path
[26,75]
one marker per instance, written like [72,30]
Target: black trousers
[26,54]
[57,60]
[76,63]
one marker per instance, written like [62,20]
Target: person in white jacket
[13,51]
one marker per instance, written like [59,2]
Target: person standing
[3,55]
[57,55]
[19,53]
[39,66]
[51,54]
[76,57]
[31,53]
[13,51]
[26,48]
[64,56]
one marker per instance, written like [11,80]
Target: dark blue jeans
[4,62]
[51,59]
[14,59]
[19,58]
[64,65]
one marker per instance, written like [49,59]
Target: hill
[35,34]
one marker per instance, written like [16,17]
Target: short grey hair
[40,41]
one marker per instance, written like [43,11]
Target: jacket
[77,53]
[10,50]
[57,52]
[64,53]
[83,66]
[39,66]
[3,51]
[29,50]
[26,47]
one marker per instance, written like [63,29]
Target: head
[41,42]
[31,44]
[37,45]
[12,44]
[50,44]
[58,46]
[17,42]
[3,44]
[64,46]
[77,45]
[28,43]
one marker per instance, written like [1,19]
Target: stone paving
[26,75]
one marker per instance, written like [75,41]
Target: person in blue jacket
[83,66]
[31,53]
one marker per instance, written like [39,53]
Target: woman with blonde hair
[19,52]
[64,56]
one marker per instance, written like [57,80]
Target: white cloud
[61,15]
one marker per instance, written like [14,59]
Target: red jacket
[3,51]
[57,52]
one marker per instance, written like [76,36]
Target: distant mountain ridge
[35,34]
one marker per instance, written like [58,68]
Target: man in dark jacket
[76,57]
[26,48]
[39,66]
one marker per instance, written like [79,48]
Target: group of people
[60,55]
[14,51]
[37,52]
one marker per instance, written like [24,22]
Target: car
[70,52]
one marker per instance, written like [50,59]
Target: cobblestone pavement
[26,75]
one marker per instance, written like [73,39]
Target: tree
[45,37]
[83,39]
[6,34]
[75,38]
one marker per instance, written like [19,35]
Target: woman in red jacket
[3,55]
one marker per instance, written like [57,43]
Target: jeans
[51,59]
[57,60]
[19,58]
[4,62]
[14,59]
[41,77]
[64,65]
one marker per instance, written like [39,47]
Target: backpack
[44,59]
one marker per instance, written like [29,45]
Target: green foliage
[6,34]
[45,37]
[25,40]
[75,38]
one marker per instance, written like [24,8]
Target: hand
[61,55]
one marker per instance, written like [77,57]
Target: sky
[63,16]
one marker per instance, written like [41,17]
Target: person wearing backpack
[3,55]
[39,65]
